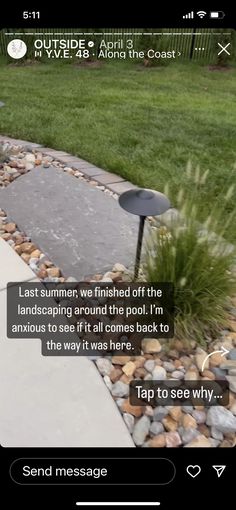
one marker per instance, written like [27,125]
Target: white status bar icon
[217,14]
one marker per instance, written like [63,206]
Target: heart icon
[193,471]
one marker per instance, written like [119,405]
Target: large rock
[151,345]
[216,359]
[159,413]
[200,416]
[175,413]
[120,360]
[191,375]
[177,374]
[104,366]
[149,365]
[188,435]
[200,441]
[189,422]
[158,441]
[232,380]
[129,421]
[216,434]
[30,158]
[232,354]
[200,357]
[28,247]
[233,408]
[232,325]
[169,367]
[141,430]
[10,227]
[169,424]
[156,428]
[222,419]
[228,364]
[120,389]
[158,374]
[173,439]
[129,409]
[129,368]
[119,267]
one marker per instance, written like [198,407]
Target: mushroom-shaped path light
[143,202]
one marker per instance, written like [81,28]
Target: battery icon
[217,14]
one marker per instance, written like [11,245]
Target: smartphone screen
[117,258]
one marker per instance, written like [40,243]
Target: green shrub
[200,264]
[157,43]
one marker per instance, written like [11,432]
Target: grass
[144,124]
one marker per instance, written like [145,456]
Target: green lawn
[144,124]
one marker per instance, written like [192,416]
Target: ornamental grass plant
[198,260]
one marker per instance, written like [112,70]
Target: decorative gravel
[169,426]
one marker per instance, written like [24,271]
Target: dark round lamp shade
[144,202]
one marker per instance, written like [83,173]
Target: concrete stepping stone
[50,401]
[83,230]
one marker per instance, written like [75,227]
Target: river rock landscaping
[169,426]
[17,160]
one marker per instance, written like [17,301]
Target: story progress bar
[118,503]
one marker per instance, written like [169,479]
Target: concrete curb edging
[113,182]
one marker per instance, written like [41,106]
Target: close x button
[223,48]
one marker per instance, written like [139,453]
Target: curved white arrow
[223,351]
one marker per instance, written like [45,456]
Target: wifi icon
[201,14]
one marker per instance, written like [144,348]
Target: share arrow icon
[219,470]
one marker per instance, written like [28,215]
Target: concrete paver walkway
[50,401]
[75,224]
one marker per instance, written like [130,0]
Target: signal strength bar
[190,15]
